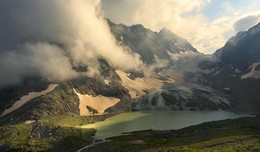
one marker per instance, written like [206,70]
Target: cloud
[51,38]
[151,13]
[47,60]
[245,23]
[185,18]
[182,17]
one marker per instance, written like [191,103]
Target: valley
[72,81]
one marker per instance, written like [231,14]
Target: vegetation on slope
[55,133]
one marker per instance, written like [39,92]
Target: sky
[207,24]
[52,39]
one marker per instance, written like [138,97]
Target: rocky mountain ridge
[188,80]
[236,68]
[149,44]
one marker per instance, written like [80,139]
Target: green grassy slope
[55,133]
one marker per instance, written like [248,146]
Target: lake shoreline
[156,120]
[242,134]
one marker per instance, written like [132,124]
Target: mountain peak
[138,26]
[255,29]
[242,50]
[148,43]
[165,30]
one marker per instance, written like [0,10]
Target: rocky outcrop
[186,96]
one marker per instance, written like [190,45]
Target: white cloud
[151,13]
[245,23]
[49,38]
[184,18]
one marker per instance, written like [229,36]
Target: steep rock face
[182,67]
[148,43]
[185,96]
[235,68]
[242,50]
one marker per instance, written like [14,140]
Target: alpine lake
[156,120]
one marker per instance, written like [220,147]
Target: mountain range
[176,76]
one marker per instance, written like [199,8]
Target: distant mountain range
[187,79]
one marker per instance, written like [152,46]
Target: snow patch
[253,73]
[217,72]
[26,98]
[107,82]
[99,103]
[237,71]
[207,71]
[122,38]
[228,89]
[139,86]
[178,56]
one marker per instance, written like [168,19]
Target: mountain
[241,51]
[63,100]
[175,76]
[235,68]
[178,88]
[168,58]
[149,44]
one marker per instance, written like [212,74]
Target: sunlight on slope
[139,86]
[99,103]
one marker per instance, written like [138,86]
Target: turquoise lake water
[157,120]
